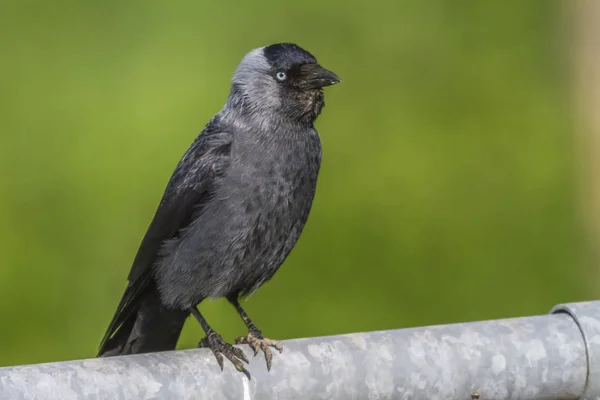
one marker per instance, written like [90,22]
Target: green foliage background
[447,190]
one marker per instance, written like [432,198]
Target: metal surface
[587,318]
[541,357]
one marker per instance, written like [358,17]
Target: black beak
[315,77]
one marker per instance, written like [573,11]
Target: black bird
[233,209]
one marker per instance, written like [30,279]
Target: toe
[219,358]
[238,365]
[233,357]
[268,355]
[255,346]
[239,353]
[277,344]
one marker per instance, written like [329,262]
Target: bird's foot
[256,341]
[220,348]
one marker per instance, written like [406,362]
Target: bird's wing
[190,187]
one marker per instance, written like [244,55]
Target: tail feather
[115,345]
[148,326]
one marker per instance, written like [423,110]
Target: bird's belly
[269,231]
[242,236]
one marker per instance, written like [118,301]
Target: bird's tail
[148,327]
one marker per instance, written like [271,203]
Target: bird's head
[281,81]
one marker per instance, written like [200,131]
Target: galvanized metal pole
[548,357]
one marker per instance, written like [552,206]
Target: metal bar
[539,357]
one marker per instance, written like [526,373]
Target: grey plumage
[234,208]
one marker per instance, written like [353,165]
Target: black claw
[221,348]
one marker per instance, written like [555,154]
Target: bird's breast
[255,217]
[277,178]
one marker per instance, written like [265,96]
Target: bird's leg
[219,347]
[255,338]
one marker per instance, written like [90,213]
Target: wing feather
[194,180]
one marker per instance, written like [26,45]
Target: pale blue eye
[281,76]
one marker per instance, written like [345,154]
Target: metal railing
[554,356]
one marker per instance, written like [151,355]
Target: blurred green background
[447,193]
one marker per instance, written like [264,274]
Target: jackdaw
[232,211]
